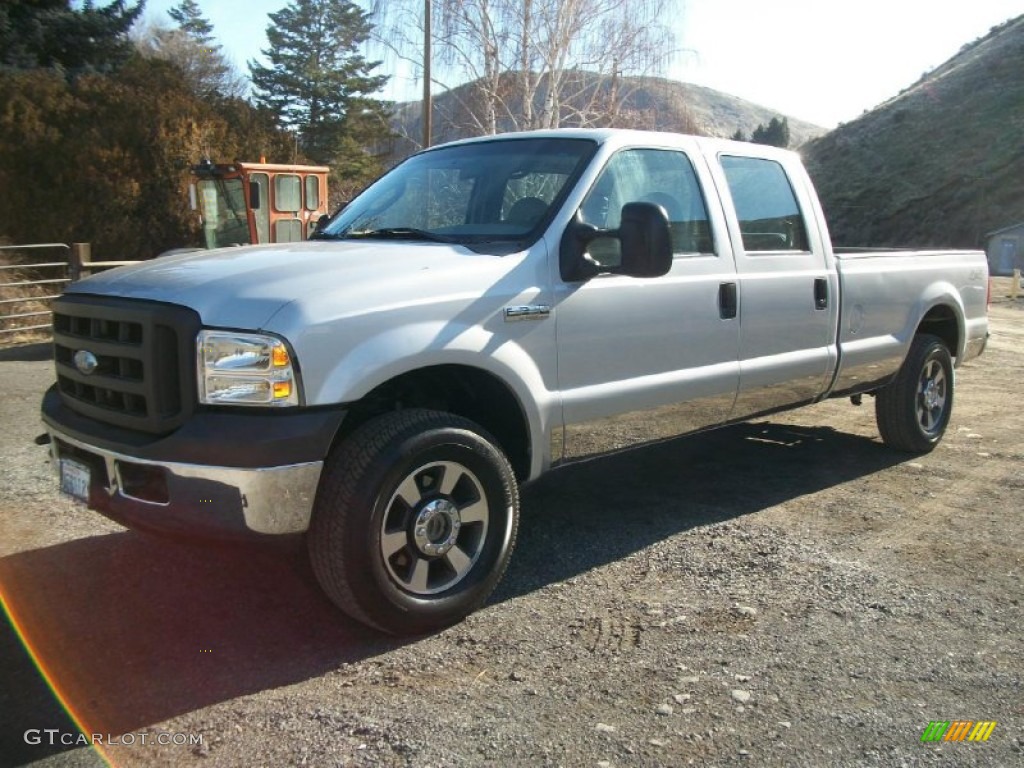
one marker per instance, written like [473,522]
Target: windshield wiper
[399,233]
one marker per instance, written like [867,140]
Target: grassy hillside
[939,165]
[653,104]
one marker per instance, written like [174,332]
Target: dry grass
[941,164]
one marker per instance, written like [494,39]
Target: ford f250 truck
[485,311]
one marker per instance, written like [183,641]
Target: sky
[822,61]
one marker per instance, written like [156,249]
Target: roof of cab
[626,137]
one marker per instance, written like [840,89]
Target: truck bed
[877,322]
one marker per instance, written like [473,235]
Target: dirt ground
[787,592]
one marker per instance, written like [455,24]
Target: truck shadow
[134,630]
[596,512]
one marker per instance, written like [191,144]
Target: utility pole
[427,101]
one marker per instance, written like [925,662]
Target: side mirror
[321,223]
[254,196]
[644,239]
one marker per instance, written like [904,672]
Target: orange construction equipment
[249,203]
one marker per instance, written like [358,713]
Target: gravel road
[787,592]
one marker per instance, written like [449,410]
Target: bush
[105,158]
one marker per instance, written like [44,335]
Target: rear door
[788,293]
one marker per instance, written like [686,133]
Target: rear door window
[766,207]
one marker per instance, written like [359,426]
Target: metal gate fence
[28,286]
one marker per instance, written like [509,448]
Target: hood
[244,287]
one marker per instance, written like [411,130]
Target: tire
[414,521]
[913,410]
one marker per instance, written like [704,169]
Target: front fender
[520,361]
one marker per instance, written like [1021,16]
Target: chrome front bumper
[193,499]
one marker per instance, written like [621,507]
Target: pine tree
[318,83]
[738,136]
[783,133]
[775,134]
[52,34]
[190,20]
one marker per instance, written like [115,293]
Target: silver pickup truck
[482,313]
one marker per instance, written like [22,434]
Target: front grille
[135,368]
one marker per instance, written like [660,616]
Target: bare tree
[538,63]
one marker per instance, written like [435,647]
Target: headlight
[244,369]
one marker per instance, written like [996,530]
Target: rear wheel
[913,410]
[414,522]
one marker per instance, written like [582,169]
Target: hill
[940,164]
[652,103]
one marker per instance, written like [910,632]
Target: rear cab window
[529,194]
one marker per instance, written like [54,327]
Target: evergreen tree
[190,20]
[52,34]
[739,136]
[775,134]
[318,83]
[783,135]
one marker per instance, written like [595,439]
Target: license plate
[74,479]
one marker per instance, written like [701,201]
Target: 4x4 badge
[86,361]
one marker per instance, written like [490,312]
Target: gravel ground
[778,593]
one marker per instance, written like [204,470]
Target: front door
[641,359]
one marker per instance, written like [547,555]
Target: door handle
[821,293]
[727,303]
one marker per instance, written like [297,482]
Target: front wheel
[414,522]
[913,410]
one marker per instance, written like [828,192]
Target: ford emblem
[86,361]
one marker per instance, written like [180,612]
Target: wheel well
[941,321]
[469,392]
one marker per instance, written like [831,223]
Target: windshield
[222,203]
[496,191]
